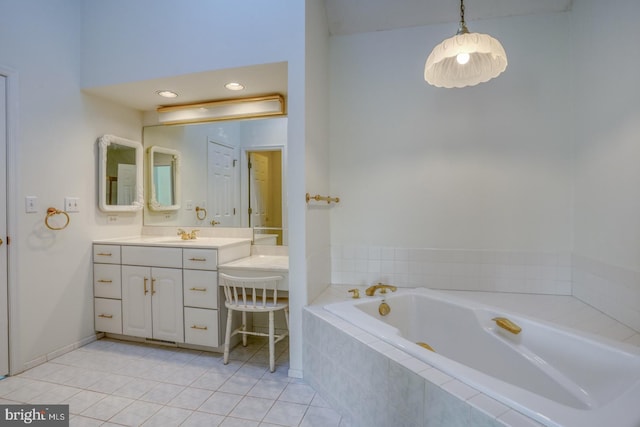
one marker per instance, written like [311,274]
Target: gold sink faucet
[187,236]
[371,290]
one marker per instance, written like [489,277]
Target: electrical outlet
[31,204]
[72,204]
[112,219]
[189,205]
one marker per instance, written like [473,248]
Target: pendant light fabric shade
[487,59]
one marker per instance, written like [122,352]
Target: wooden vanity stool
[253,295]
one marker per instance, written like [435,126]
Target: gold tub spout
[371,290]
[507,324]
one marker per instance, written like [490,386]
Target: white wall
[318,245]
[484,168]
[56,156]
[607,125]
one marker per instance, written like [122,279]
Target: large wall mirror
[232,174]
[120,174]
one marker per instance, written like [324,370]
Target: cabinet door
[167,309]
[136,301]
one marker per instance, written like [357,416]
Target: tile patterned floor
[115,383]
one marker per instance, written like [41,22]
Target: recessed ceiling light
[167,94]
[234,86]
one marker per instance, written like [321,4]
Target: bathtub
[557,376]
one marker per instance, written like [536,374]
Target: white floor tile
[298,393]
[285,413]
[168,416]
[268,389]
[238,384]
[107,407]
[320,417]
[190,398]
[220,403]
[136,413]
[252,408]
[203,419]
[162,393]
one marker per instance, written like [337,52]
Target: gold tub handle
[507,325]
[425,345]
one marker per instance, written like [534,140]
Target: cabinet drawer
[201,326]
[106,281]
[200,259]
[152,256]
[108,315]
[107,254]
[200,288]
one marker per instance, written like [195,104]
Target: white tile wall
[525,272]
[613,290]
[371,389]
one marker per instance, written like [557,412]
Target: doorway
[265,195]
[4,301]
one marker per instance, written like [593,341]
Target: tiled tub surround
[613,290]
[477,270]
[374,384]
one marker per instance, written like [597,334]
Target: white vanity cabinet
[201,311]
[107,289]
[152,293]
[152,303]
[166,292]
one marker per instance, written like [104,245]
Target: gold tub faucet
[371,290]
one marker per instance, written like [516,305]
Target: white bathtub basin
[557,376]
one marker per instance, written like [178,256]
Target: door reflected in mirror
[120,174]
[164,179]
[215,184]
[265,196]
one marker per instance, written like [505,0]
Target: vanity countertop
[259,262]
[170,241]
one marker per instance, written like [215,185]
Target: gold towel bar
[319,198]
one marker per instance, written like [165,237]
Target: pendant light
[465,59]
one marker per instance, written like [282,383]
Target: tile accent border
[450,269]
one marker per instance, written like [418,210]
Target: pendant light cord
[462,29]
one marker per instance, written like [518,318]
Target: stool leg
[227,336]
[244,328]
[272,362]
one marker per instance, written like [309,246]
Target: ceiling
[261,79]
[360,16]
[344,17]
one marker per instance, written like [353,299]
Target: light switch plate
[72,204]
[31,204]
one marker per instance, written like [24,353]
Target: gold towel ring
[198,210]
[51,212]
